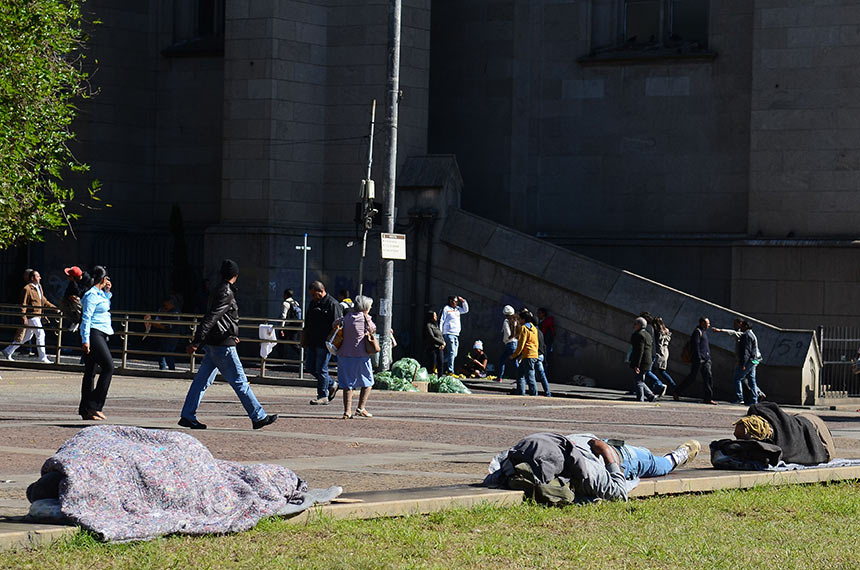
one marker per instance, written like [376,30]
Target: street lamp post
[386,304]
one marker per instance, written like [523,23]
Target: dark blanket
[796,436]
[744,454]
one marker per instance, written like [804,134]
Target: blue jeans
[166,361]
[749,374]
[510,348]
[316,362]
[659,377]
[527,373]
[540,372]
[452,343]
[640,462]
[223,359]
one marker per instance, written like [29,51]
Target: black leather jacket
[220,326]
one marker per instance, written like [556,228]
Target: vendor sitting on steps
[475,365]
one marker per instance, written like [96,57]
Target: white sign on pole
[393,246]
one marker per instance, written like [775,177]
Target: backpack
[687,352]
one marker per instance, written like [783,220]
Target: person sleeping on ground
[129,483]
[768,435]
[561,469]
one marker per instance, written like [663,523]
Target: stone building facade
[713,146]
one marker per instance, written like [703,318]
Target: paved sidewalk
[432,442]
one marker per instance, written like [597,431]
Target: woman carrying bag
[354,370]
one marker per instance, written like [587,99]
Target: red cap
[73,271]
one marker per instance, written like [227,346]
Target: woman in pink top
[354,370]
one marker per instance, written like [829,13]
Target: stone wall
[805,121]
[555,146]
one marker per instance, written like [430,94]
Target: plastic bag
[421,375]
[405,368]
[385,381]
[448,385]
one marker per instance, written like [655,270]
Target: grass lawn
[773,528]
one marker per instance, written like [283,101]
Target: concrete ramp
[594,305]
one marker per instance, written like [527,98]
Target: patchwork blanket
[129,483]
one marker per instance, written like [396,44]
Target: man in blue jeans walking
[322,312]
[219,334]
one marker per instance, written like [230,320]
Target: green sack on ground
[381,380]
[448,385]
[405,368]
[385,381]
[421,375]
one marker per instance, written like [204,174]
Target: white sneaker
[45,360]
[686,452]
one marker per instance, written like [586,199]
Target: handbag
[334,341]
[371,343]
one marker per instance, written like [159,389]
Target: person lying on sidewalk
[768,435]
[562,469]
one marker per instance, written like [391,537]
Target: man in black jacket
[641,353]
[322,312]
[219,333]
[700,362]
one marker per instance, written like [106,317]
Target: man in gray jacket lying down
[560,469]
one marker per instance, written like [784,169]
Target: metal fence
[145,341]
[839,351]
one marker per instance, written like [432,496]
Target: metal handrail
[123,321]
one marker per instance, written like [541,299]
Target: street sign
[393,246]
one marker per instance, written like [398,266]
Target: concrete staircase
[594,305]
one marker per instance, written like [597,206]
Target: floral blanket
[129,483]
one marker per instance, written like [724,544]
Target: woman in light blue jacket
[95,333]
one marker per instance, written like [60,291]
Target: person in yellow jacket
[527,352]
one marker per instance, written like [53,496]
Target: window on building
[198,27]
[625,25]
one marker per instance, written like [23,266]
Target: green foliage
[41,76]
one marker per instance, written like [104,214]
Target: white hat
[478,345]
[508,311]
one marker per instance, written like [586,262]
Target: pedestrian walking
[321,315]
[509,340]
[218,333]
[96,329]
[659,373]
[700,362]
[291,310]
[354,371]
[32,302]
[546,324]
[641,347]
[449,322]
[747,359]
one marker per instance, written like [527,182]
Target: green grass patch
[810,526]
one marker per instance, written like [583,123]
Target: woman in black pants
[434,358]
[95,334]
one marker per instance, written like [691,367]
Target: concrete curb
[31,535]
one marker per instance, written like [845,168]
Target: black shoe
[332,392]
[265,421]
[191,424]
